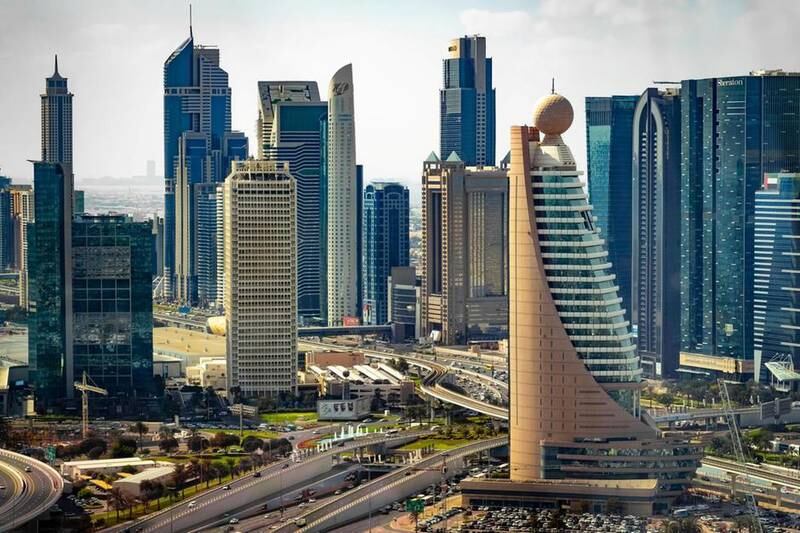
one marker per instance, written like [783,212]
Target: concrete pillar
[733,478]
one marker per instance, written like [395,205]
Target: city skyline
[96,42]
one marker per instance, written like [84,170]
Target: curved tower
[343,195]
[575,378]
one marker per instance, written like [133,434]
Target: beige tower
[261,278]
[575,378]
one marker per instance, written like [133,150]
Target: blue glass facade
[734,131]
[467,103]
[6,225]
[776,303]
[385,245]
[49,336]
[197,127]
[298,140]
[609,138]
[112,303]
[655,272]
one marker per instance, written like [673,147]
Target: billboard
[354,409]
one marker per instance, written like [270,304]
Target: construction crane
[85,387]
[738,450]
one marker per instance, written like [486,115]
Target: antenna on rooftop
[552,86]
[190,21]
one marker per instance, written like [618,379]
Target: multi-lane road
[31,488]
[240,494]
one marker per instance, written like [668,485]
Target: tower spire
[552,86]
[56,66]
[190,22]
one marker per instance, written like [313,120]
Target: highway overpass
[431,384]
[27,494]
[391,487]
[201,324]
[210,505]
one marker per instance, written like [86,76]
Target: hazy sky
[113,53]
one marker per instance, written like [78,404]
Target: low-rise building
[377,381]
[131,486]
[209,372]
[167,366]
[75,469]
[187,345]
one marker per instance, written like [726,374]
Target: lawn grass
[438,444]
[291,417]
[261,434]
[110,517]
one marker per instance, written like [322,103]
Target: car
[291,437]
[233,520]
[302,505]
[2,487]
[312,500]
[315,432]
[192,503]
[338,491]
[257,474]
[226,487]
[28,469]
[284,467]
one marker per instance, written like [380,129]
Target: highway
[389,488]
[26,494]
[210,505]
[431,383]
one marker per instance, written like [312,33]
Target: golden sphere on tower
[553,114]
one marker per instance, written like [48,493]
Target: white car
[192,503]
[233,520]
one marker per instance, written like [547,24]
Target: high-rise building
[655,271]
[291,128]
[157,230]
[50,276]
[342,201]
[261,278]
[609,138]
[734,131]
[403,294]
[6,226]
[575,379]
[21,217]
[385,242]
[467,103]
[465,252]
[198,149]
[776,319]
[78,201]
[50,250]
[112,276]
[57,120]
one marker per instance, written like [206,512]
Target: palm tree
[118,500]
[231,463]
[165,432]
[205,469]
[140,428]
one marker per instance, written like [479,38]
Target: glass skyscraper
[733,131]
[50,250]
[198,149]
[776,319]
[49,253]
[291,120]
[467,103]
[6,225]
[656,215]
[385,245]
[112,275]
[609,138]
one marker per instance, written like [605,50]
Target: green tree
[85,493]
[117,500]
[219,469]
[197,443]
[140,428]
[168,445]
[123,448]
[758,438]
[251,443]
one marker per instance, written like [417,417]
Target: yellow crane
[85,387]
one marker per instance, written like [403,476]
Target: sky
[113,53]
